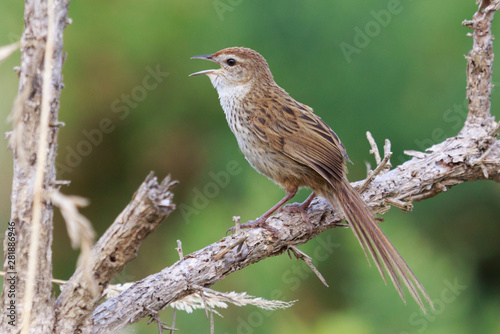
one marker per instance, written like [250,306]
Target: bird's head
[238,67]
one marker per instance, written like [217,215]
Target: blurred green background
[402,77]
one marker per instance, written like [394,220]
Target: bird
[286,141]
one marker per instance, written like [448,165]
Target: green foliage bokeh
[405,81]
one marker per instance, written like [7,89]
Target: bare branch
[374,147]
[33,142]
[151,204]
[179,249]
[382,165]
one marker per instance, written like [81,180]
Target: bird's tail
[374,241]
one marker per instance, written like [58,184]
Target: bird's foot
[300,208]
[259,222]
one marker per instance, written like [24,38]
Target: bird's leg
[261,221]
[301,207]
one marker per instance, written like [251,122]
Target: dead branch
[33,142]
[151,204]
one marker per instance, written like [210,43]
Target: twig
[179,249]
[405,206]
[155,316]
[307,259]
[237,224]
[387,152]
[381,165]
[374,149]
[173,321]
[212,326]
[416,154]
[199,289]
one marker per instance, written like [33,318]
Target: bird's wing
[304,137]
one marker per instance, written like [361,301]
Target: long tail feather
[375,242]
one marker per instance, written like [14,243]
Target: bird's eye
[231,62]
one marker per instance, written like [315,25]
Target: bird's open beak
[206,57]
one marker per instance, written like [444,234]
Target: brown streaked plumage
[284,140]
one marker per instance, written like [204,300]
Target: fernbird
[284,140]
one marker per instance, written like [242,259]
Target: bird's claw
[293,207]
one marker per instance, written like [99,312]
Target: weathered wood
[151,204]
[24,142]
